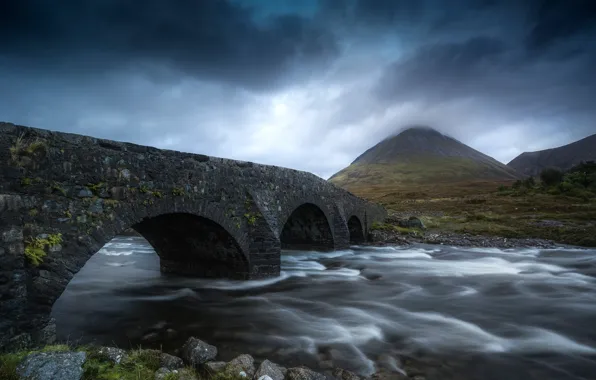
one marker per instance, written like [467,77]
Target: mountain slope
[564,157]
[420,155]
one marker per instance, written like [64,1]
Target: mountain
[420,155]
[563,157]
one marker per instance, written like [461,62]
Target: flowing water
[469,313]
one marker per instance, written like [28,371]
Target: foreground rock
[243,365]
[301,373]
[170,361]
[196,352]
[270,369]
[52,365]
[342,374]
[116,355]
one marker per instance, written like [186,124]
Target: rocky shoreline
[384,238]
[196,360]
[399,230]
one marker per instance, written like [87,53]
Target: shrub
[551,176]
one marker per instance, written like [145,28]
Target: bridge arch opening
[307,228]
[356,230]
[194,245]
[127,267]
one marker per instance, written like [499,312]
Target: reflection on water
[524,313]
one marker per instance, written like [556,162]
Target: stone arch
[194,245]
[356,230]
[46,282]
[307,227]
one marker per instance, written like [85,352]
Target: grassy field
[480,208]
[419,170]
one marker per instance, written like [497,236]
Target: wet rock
[114,354]
[52,365]
[412,222]
[370,275]
[215,367]
[243,363]
[269,369]
[196,352]
[388,375]
[301,373]
[342,374]
[170,361]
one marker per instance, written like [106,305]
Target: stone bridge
[63,196]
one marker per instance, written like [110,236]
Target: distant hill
[420,155]
[564,157]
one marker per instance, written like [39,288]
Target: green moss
[148,202]
[111,202]
[68,214]
[96,188]
[33,212]
[55,239]
[56,188]
[177,192]
[26,181]
[251,218]
[157,194]
[56,348]
[35,248]
[144,189]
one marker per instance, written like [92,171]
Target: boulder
[113,354]
[342,374]
[243,363]
[170,361]
[269,369]
[196,352]
[412,222]
[214,367]
[301,373]
[52,365]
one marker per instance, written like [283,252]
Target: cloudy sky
[307,84]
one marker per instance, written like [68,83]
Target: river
[464,313]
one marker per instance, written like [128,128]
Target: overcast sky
[304,84]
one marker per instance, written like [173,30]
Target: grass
[419,171]
[33,149]
[478,207]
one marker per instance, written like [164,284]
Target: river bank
[380,238]
[197,360]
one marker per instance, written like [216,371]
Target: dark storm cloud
[307,84]
[557,21]
[213,39]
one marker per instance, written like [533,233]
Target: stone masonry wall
[67,195]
